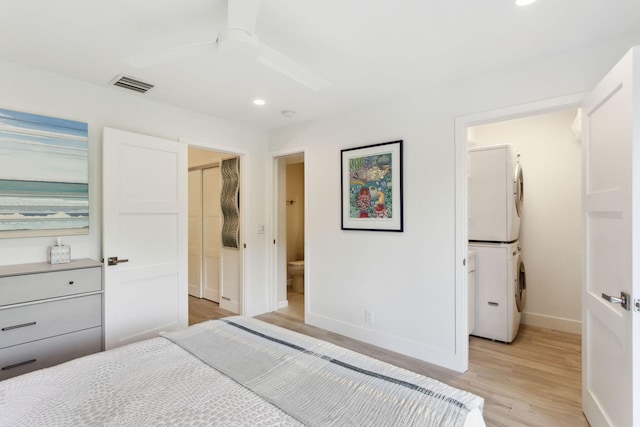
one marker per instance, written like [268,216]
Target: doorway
[291,265]
[214,274]
[205,224]
[549,153]
[468,132]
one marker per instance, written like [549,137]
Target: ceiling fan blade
[290,68]
[168,55]
[242,14]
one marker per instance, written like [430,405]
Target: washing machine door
[521,285]
[518,192]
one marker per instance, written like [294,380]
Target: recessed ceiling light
[259,101]
[524,2]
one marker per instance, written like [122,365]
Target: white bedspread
[319,383]
[149,383]
[157,383]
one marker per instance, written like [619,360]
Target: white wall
[408,279]
[550,231]
[33,91]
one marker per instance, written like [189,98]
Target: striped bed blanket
[321,384]
[232,372]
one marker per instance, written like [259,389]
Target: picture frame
[44,176]
[371,187]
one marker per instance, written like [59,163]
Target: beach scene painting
[44,176]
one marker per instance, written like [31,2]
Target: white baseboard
[262,308]
[435,355]
[256,309]
[550,322]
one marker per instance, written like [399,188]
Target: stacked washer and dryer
[495,205]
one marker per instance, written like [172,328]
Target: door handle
[113,260]
[623,300]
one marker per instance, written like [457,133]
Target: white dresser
[49,314]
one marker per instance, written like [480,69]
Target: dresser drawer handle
[17,365]
[8,328]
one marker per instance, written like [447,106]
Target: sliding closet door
[211,232]
[195,233]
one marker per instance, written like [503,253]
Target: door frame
[241,154]
[461,138]
[272,197]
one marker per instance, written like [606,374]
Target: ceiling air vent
[132,84]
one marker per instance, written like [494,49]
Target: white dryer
[501,290]
[495,194]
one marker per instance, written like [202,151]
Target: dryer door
[518,191]
[521,285]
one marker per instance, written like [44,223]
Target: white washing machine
[496,192]
[501,291]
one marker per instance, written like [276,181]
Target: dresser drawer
[24,358]
[41,320]
[33,287]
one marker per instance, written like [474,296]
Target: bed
[236,371]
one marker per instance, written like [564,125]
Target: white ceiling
[367,50]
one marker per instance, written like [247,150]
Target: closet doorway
[205,225]
[215,270]
[543,159]
[548,149]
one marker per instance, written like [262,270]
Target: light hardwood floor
[201,309]
[534,381]
[295,308]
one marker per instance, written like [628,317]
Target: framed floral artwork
[371,178]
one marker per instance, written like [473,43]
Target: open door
[144,236]
[611,225]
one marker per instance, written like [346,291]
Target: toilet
[296,271]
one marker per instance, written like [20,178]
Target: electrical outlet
[368,317]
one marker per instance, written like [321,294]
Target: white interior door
[212,227]
[611,165]
[145,210]
[195,233]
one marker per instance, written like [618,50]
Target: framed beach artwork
[44,177]
[372,187]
